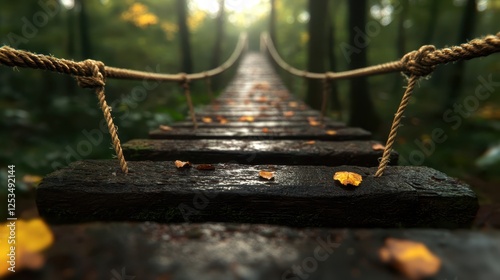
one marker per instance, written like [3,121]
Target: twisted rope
[415,64]
[97,81]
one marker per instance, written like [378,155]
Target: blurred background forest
[45,115]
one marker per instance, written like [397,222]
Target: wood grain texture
[291,152]
[298,196]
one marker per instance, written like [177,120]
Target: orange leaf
[378,147]
[293,104]
[412,259]
[269,175]
[182,164]
[312,142]
[288,114]
[314,123]
[165,128]
[223,121]
[262,99]
[261,86]
[206,119]
[205,167]
[32,180]
[331,132]
[348,178]
[246,119]
[265,130]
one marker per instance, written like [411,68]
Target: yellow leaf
[288,114]
[206,119]
[312,142]
[293,104]
[348,178]
[269,175]
[31,238]
[378,147]
[182,164]
[32,180]
[165,127]
[246,119]
[412,259]
[331,132]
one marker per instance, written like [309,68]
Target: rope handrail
[19,58]
[92,74]
[415,64]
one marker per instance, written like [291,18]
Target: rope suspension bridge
[254,128]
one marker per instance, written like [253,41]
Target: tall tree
[219,37]
[334,92]
[85,41]
[272,23]
[466,32]
[316,49]
[361,110]
[185,45]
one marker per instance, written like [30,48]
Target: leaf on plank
[205,167]
[182,164]
[348,178]
[165,128]
[412,259]
[268,175]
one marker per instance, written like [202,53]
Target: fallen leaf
[261,86]
[268,175]
[265,130]
[412,259]
[246,119]
[312,142]
[293,104]
[314,123]
[182,164]
[331,132]
[165,128]
[288,114]
[378,147]
[348,178]
[32,237]
[206,119]
[223,121]
[262,99]
[32,180]
[205,167]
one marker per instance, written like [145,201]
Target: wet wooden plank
[299,196]
[256,124]
[276,133]
[291,152]
[217,251]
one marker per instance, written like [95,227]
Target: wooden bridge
[244,226]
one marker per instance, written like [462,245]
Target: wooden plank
[291,152]
[277,133]
[227,251]
[301,196]
[234,122]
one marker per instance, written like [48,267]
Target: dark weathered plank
[298,196]
[290,152]
[276,133]
[227,251]
[256,124]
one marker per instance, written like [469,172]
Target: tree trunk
[70,46]
[466,33]
[316,49]
[219,37]
[334,92]
[272,23]
[185,45]
[85,41]
[362,113]
[431,27]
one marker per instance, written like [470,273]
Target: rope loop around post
[414,62]
[97,81]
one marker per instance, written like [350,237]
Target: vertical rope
[97,81]
[326,89]
[208,83]
[113,131]
[187,92]
[395,125]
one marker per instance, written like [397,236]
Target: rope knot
[96,68]
[414,62]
